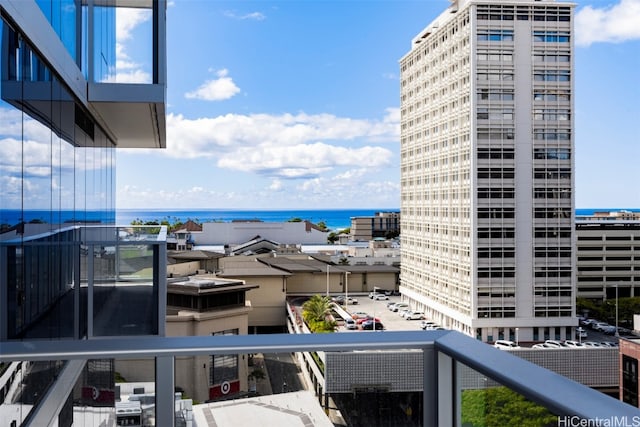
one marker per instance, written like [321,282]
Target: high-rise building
[487,162]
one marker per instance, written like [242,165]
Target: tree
[316,312]
[501,406]
[332,238]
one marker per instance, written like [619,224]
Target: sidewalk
[263,386]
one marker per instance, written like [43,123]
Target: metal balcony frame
[443,351]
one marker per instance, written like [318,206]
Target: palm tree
[316,308]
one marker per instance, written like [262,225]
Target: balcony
[81,282]
[453,370]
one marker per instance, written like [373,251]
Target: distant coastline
[335,219]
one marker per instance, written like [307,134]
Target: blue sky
[295,104]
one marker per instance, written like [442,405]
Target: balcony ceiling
[133,113]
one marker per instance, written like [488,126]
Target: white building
[237,232]
[487,169]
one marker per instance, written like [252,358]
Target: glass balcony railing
[404,378]
[82,282]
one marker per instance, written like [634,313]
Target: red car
[366,319]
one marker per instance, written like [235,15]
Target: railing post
[430,389]
[447,388]
[165,388]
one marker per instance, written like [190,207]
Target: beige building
[203,306]
[268,299]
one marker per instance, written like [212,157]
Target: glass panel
[485,402]
[131,30]
[24,386]
[62,16]
[125,288]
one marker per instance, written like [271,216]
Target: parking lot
[391,320]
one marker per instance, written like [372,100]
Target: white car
[414,315]
[542,346]
[505,345]
[399,306]
[555,344]
[380,297]
[574,344]
[404,312]
[426,323]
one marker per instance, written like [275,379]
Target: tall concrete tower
[487,169]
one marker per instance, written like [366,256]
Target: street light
[346,288]
[327,280]
[617,333]
[517,329]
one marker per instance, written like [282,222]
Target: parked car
[592,344]
[380,297]
[599,326]
[388,293]
[555,343]
[367,319]
[541,346]
[373,295]
[404,312]
[350,324]
[426,323]
[390,304]
[340,300]
[371,325]
[574,344]
[609,330]
[399,306]
[433,328]
[505,344]
[608,344]
[359,315]
[414,315]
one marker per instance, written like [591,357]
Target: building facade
[608,257]
[66,272]
[487,169]
[382,224]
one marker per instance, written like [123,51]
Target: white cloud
[276,185]
[253,16]
[390,76]
[217,89]
[284,146]
[127,19]
[612,24]
[208,137]
[303,160]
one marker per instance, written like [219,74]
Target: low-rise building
[237,232]
[382,224]
[203,306]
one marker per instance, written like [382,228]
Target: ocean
[335,219]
